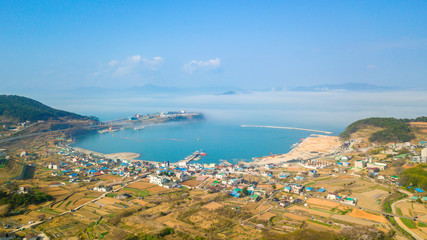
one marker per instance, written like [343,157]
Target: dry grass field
[366,215]
[141,185]
[266,216]
[213,205]
[191,183]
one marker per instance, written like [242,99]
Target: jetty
[292,128]
[193,157]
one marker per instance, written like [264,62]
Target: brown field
[322,202]
[268,187]
[266,216]
[82,201]
[55,191]
[410,209]
[366,215]
[294,216]
[213,205]
[317,226]
[140,202]
[108,201]
[310,211]
[141,185]
[353,220]
[171,221]
[346,177]
[110,177]
[191,183]
[419,124]
[157,189]
[365,133]
[369,199]
[262,207]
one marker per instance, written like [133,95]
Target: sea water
[174,141]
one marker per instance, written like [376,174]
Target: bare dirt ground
[322,202]
[294,216]
[366,215]
[141,185]
[310,211]
[353,220]
[266,216]
[191,183]
[110,177]
[213,205]
[157,189]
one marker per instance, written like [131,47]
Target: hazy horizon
[52,46]
[301,63]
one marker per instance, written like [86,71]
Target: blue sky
[59,45]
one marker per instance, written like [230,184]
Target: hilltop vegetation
[416,176]
[392,129]
[25,109]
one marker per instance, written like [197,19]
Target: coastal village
[323,184]
[332,186]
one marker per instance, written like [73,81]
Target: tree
[41,217]
[245,191]
[273,186]
[362,232]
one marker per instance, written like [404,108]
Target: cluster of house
[394,148]
[308,191]
[86,167]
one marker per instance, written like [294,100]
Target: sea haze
[221,136]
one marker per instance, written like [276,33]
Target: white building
[381,166]
[221,175]
[159,180]
[101,188]
[360,164]
[182,164]
[424,155]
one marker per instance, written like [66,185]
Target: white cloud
[130,65]
[209,64]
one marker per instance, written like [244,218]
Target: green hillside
[26,109]
[393,130]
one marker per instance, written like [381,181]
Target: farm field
[191,183]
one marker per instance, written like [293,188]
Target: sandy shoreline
[314,146]
[128,156]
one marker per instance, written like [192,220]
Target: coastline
[127,156]
[311,147]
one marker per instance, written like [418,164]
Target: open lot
[191,183]
[141,185]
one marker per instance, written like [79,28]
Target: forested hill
[25,109]
[393,130]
